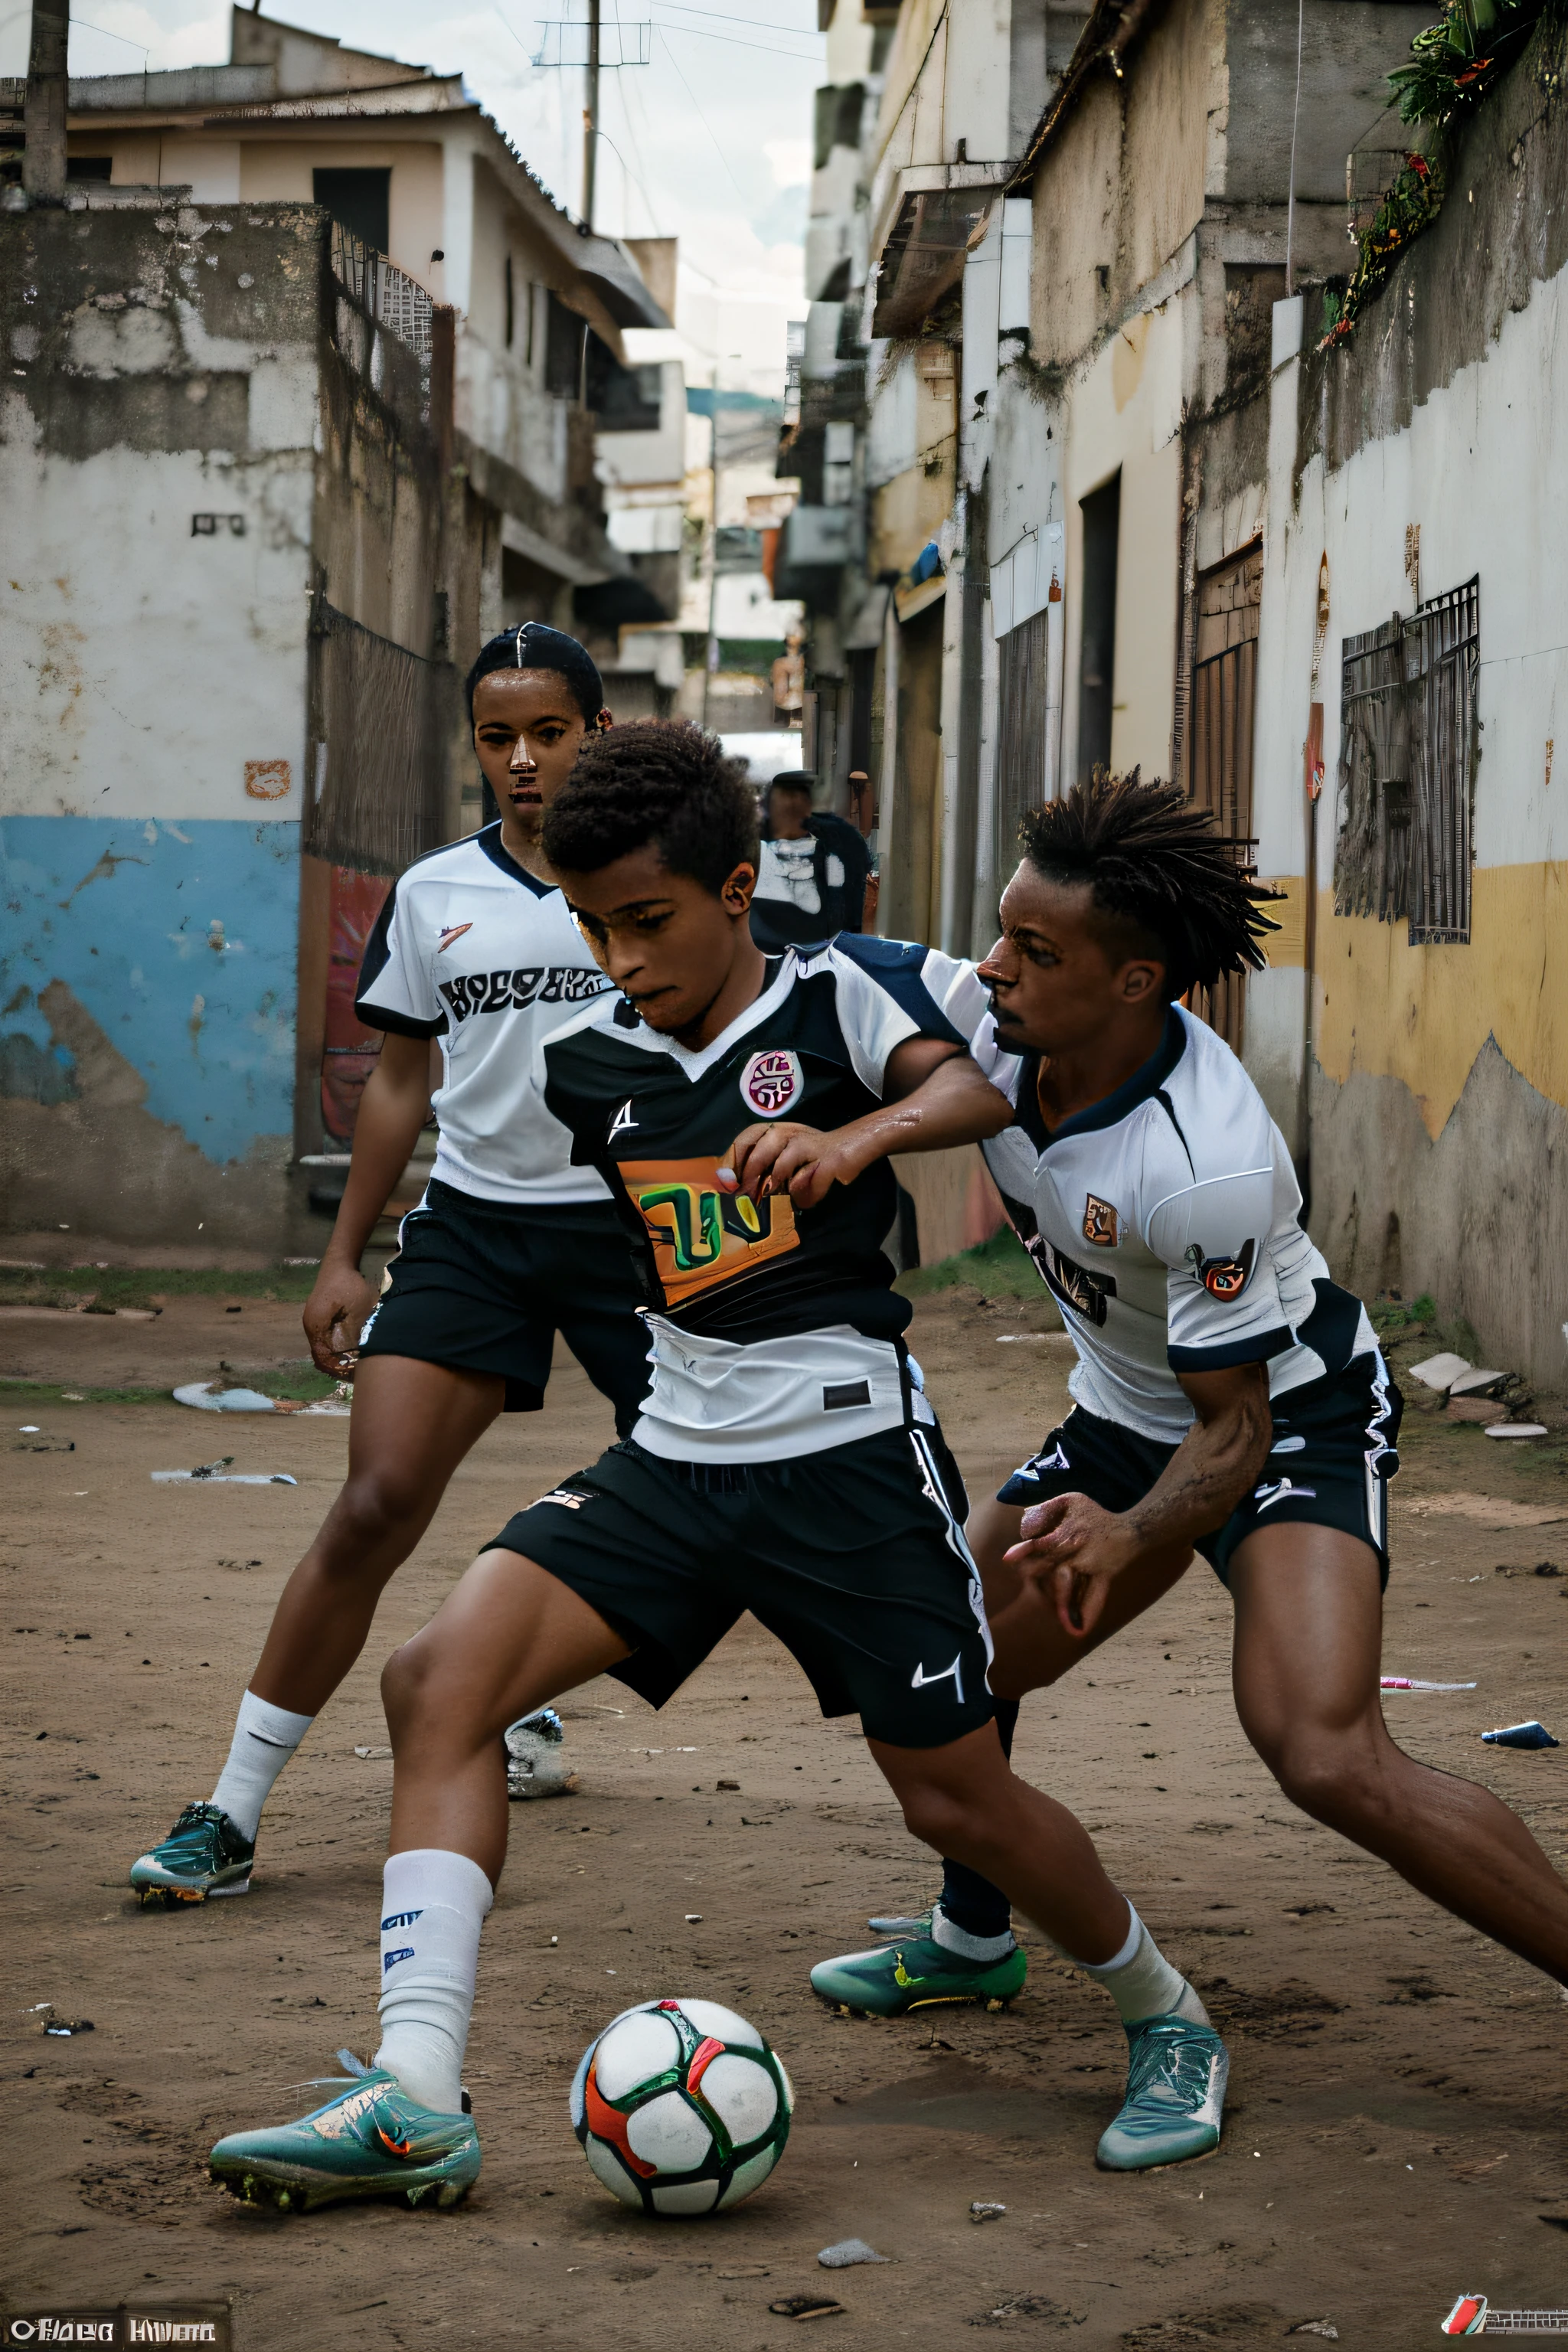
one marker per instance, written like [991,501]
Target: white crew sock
[265,1736]
[432,1907]
[960,1941]
[1142,1981]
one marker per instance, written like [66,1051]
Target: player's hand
[335,1314]
[1069,1550]
[781,1156]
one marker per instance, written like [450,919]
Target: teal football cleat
[370,2140]
[899,1923]
[1175,2096]
[913,1973]
[203,1854]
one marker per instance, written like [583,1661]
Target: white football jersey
[472,949]
[1166,1220]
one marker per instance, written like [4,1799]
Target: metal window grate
[1020,733]
[1408,746]
[380,722]
[382,290]
[1220,713]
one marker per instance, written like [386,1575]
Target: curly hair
[1160,875]
[655,780]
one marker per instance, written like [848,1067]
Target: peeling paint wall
[1437,1074]
[157,475]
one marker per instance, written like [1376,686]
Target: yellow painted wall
[1422,1014]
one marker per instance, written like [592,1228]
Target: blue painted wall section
[181,942]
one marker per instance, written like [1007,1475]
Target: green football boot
[203,1854]
[371,2139]
[1175,2096]
[913,1973]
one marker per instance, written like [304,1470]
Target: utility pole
[48,91]
[590,116]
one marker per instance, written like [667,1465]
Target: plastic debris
[376,1754]
[61,2027]
[1325,2327]
[1442,1371]
[1522,1734]
[217,1473]
[982,2211]
[806,2306]
[535,1766]
[1012,1339]
[694,1918]
[1479,1384]
[846,2253]
[211,1396]
[1407,1682]
[1515,1429]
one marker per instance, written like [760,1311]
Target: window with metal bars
[1408,749]
[1219,736]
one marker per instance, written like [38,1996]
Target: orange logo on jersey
[1099,1224]
[1224,1278]
[701,1236]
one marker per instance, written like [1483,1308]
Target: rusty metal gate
[1220,722]
[381,727]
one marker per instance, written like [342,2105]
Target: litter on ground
[846,2253]
[1522,1734]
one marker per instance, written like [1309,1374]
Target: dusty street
[1396,2121]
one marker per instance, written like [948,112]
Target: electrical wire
[701,118]
[695,33]
[759,24]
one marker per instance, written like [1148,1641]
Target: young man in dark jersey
[741,1110]
[475,949]
[1229,1398]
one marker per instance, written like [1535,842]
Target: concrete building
[267,487]
[1412,1037]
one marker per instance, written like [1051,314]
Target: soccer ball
[681,2107]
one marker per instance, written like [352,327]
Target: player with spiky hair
[1230,1399]
[740,1108]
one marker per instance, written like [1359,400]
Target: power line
[701,118]
[695,33]
[756,23]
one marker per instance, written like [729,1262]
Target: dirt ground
[1394,2132]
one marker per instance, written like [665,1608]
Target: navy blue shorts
[484,1287]
[1332,1456]
[854,1557]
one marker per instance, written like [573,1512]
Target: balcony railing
[382,290]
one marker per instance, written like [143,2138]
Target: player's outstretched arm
[393,1108]
[1071,1548]
[934,1096]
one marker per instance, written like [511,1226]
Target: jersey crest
[1224,1278]
[701,1236]
[451,935]
[770,1082]
[1100,1227]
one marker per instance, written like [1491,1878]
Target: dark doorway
[1097,659]
[360,201]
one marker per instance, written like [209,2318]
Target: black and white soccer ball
[681,2107]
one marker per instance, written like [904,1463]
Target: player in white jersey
[787,1461]
[1228,1397]
[475,949]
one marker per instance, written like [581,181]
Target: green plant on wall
[1456,62]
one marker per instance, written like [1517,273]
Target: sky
[709,141]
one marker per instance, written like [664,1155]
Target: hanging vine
[1456,62]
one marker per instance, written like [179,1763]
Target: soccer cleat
[203,1854]
[1175,2094]
[536,1765]
[371,2139]
[913,1973]
[901,1923]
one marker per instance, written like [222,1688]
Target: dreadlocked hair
[1158,873]
[660,781]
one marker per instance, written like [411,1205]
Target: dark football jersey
[749,1300]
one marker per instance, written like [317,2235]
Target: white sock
[432,1907]
[265,1736]
[1142,1981]
[960,1941]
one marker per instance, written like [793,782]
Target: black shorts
[1332,1456]
[484,1286]
[854,1557]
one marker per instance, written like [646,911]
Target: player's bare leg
[411,1425]
[1309,1620]
[509,1637]
[1034,1649]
